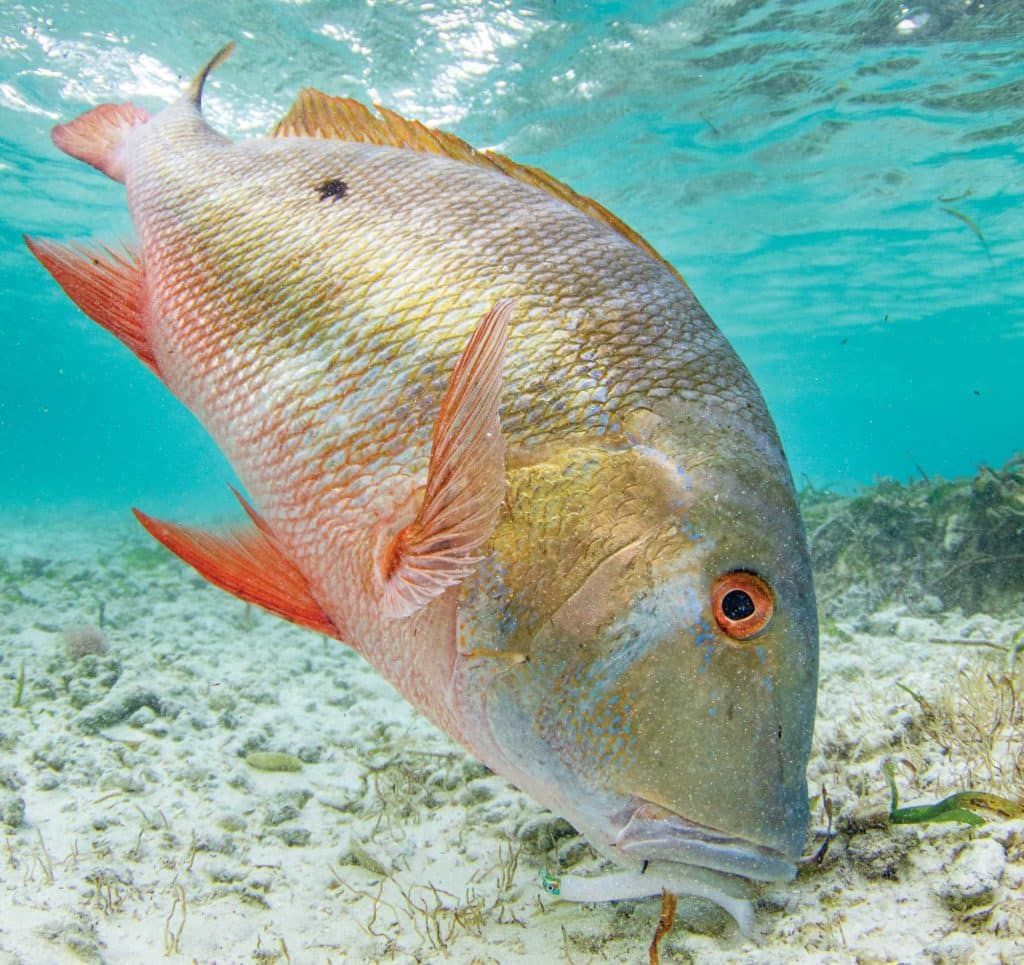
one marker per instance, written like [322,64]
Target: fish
[491,440]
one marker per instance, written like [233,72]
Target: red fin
[107,286]
[96,137]
[248,564]
[260,523]
[318,115]
[465,480]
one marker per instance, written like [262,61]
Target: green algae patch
[957,541]
[956,807]
[273,761]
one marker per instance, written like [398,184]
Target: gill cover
[658,675]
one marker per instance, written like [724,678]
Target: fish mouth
[652,833]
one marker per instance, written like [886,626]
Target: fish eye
[742,603]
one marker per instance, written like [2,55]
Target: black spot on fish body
[333,188]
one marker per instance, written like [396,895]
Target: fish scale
[258,342]
[495,444]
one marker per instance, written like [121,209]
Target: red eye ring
[742,604]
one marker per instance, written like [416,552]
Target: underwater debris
[879,854]
[42,857]
[120,703]
[970,224]
[172,934]
[12,809]
[669,901]
[19,686]
[957,542]
[972,878]
[273,761]
[818,857]
[83,639]
[362,858]
[1011,650]
[975,728]
[978,726]
[436,916]
[110,890]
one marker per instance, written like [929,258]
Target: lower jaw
[650,836]
[736,863]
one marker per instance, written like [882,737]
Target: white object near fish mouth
[633,884]
[667,852]
[653,834]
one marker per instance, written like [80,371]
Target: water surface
[840,183]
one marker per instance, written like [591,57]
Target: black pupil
[737,605]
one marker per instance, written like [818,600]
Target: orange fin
[315,114]
[248,564]
[465,478]
[107,286]
[97,135]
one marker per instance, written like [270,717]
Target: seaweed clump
[958,543]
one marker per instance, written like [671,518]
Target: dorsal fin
[315,114]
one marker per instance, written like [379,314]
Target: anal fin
[465,478]
[247,563]
[107,286]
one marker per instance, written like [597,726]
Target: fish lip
[650,833]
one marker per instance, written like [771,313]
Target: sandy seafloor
[134,830]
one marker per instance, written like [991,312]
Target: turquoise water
[840,183]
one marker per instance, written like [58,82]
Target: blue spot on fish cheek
[762,655]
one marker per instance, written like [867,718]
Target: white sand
[149,838]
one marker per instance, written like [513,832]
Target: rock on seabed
[974,875]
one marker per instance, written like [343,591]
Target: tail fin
[96,137]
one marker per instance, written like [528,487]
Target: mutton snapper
[494,443]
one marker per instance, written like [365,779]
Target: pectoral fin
[465,478]
[247,563]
